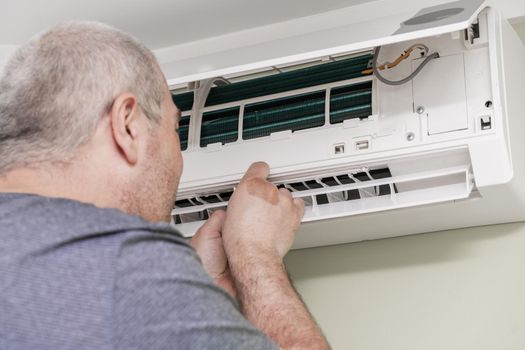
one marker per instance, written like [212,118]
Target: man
[89,165]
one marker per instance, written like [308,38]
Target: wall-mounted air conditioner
[443,148]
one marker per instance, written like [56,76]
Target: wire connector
[378,75]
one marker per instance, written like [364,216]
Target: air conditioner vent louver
[346,193]
[193,209]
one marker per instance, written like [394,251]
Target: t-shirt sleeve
[163,299]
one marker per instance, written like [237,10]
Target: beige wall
[454,290]
[520,28]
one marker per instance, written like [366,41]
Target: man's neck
[56,181]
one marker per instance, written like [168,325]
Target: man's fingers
[259,170]
[216,220]
[213,226]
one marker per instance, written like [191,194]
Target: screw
[488,104]
[420,110]
[411,136]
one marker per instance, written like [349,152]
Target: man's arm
[259,229]
[164,299]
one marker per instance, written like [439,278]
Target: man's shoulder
[59,254]
[65,220]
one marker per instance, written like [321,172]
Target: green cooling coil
[184,125]
[184,102]
[292,80]
[220,126]
[298,112]
[351,101]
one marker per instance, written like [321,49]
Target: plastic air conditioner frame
[447,175]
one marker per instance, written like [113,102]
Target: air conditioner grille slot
[344,179]
[183,203]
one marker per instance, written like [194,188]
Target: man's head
[89,102]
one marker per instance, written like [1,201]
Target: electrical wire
[401,57]
[375,68]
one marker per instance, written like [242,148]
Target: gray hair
[56,88]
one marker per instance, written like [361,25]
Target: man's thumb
[212,228]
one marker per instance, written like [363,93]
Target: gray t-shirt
[74,276]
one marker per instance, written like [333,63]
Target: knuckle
[260,188]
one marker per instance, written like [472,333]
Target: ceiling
[158,23]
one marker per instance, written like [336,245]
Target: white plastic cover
[360,36]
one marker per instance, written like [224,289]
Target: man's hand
[261,218]
[259,229]
[208,244]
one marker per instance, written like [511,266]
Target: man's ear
[124,117]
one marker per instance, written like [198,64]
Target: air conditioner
[371,160]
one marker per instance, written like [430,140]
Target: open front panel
[380,26]
[334,110]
